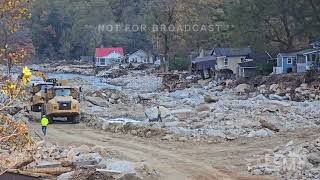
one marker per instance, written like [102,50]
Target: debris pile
[124,126]
[16,145]
[177,81]
[19,154]
[75,69]
[82,162]
[292,87]
[113,72]
[291,161]
[106,97]
[303,92]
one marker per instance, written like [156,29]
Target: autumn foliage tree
[15,45]
[14,49]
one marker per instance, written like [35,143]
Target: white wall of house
[140,57]
[230,62]
[113,58]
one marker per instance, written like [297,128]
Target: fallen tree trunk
[23,163]
[27,173]
[51,171]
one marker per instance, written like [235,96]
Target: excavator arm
[46,78]
[41,74]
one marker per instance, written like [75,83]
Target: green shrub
[265,67]
[179,63]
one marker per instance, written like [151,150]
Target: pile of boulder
[291,161]
[138,82]
[80,162]
[113,72]
[84,70]
[125,126]
[107,97]
[304,92]
[177,81]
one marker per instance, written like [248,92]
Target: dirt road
[175,160]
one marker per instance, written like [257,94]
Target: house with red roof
[108,56]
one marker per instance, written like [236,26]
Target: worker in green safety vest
[44,124]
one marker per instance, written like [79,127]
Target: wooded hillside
[69,29]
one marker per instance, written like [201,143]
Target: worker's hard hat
[43,115]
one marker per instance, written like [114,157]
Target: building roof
[260,56]
[316,43]
[102,52]
[295,53]
[205,62]
[205,58]
[307,51]
[288,54]
[231,51]
[140,50]
[249,64]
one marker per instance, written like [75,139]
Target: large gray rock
[147,96]
[194,100]
[115,96]
[215,133]
[202,108]
[204,114]
[243,88]
[89,159]
[120,166]
[274,87]
[262,89]
[269,125]
[314,158]
[179,94]
[277,97]
[144,83]
[211,99]
[261,133]
[97,101]
[66,176]
[183,114]
[74,152]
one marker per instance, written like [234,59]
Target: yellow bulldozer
[62,102]
[37,99]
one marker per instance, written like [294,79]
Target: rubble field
[206,113]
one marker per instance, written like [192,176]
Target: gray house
[298,62]
[250,68]
[204,66]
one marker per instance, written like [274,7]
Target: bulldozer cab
[64,91]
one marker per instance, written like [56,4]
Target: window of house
[313,57]
[226,61]
[289,61]
[102,61]
[301,59]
